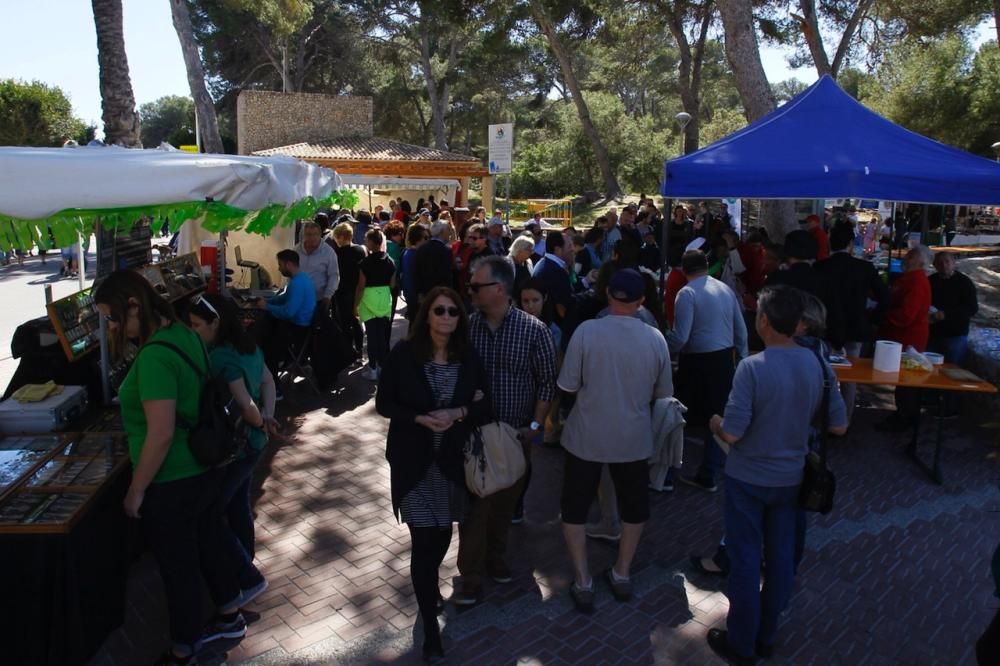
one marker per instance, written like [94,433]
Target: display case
[48,481]
[76,322]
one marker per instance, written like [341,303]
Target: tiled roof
[365,148]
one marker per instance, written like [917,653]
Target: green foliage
[35,114]
[169,119]
[557,158]
[924,87]
[722,124]
[941,89]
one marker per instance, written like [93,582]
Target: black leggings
[428,546]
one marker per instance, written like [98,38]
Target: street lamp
[683,118]
[996,149]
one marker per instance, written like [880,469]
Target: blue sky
[53,41]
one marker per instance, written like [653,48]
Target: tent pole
[668,218]
[80,261]
[102,335]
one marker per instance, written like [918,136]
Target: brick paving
[897,574]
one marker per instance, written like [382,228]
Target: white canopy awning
[396,183]
[39,182]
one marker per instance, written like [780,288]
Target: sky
[53,41]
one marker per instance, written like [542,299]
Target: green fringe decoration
[216,217]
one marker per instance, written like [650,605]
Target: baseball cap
[424,211]
[496,222]
[626,286]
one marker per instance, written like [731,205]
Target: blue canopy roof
[824,144]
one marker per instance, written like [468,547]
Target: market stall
[64,539]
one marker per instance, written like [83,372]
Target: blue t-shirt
[771,406]
[297,302]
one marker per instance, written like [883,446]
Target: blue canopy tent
[824,144]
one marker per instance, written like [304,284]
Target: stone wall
[266,119]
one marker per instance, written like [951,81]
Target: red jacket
[822,241]
[909,303]
[675,282]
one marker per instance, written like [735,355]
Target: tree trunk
[743,54]
[611,187]
[809,25]
[996,18]
[690,68]
[121,122]
[208,123]
[437,94]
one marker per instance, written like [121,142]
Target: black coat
[403,395]
[856,280]
[808,279]
[432,267]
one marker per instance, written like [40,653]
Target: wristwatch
[535,425]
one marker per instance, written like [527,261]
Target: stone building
[337,131]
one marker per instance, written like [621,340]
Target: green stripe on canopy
[215,217]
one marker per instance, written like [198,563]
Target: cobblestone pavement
[897,574]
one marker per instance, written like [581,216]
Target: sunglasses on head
[475,287]
[201,300]
[441,310]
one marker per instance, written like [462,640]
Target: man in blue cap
[617,366]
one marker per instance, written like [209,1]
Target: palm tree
[121,122]
[208,124]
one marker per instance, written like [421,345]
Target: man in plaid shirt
[520,358]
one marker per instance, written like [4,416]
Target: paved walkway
[897,574]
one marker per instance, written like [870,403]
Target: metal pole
[102,333]
[80,270]
[507,220]
[668,218]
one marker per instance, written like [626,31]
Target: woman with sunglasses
[431,390]
[175,498]
[236,358]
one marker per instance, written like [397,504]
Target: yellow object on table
[36,392]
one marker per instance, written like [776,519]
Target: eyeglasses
[475,287]
[201,300]
[441,310]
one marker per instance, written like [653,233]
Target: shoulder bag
[818,482]
[494,458]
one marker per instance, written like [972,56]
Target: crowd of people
[564,337]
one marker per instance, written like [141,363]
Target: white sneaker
[604,532]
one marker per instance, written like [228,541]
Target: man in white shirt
[319,261]
[709,338]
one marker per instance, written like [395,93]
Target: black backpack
[220,435]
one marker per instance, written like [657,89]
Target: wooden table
[862,372]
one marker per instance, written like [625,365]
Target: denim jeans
[183,524]
[850,391]
[953,349]
[758,517]
[235,492]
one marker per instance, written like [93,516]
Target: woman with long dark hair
[174,496]
[431,390]
[236,358]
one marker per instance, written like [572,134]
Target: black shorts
[582,477]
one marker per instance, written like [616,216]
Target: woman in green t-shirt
[175,498]
[236,358]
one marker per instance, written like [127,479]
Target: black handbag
[819,483]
